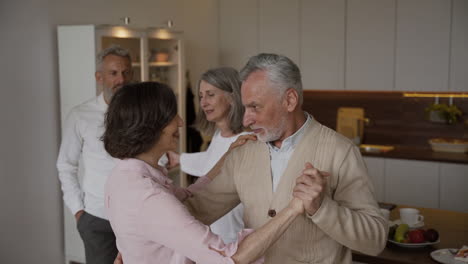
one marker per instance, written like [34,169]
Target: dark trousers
[98,238]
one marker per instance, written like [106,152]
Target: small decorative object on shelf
[442,113]
[162,56]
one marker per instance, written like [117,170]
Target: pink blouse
[152,225]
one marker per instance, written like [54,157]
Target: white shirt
[279,157]
[82,152]
[199,164]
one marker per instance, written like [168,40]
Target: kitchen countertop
[420,153]
[453,230]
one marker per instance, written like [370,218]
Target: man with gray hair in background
[82,149]
[294,156]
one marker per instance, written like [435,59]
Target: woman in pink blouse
[145,209]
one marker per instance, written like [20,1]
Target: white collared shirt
[82,153]
[279,157]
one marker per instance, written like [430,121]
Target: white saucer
[398,222]
[445,257]
[413,245]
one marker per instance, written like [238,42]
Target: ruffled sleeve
[195,163]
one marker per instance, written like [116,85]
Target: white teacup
[385,213]
[410,216]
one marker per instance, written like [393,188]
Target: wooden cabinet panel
[459,47]
[453,187]
[238,30]
[279,28]
[413,183]
[376,170]
[370,47]
[422,45]
[322,44]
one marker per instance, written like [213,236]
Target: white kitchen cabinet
[279,28]
[410,182]
[454,187]
[459,51]
[322,44]
[428,184]
[77,49]
[417,45]
[376,171]
[370,47]
[422,45]
[238,37]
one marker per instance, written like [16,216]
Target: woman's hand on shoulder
[241,140]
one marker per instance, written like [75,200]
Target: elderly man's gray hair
[112,50]
[281,71]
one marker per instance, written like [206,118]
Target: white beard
[274,133]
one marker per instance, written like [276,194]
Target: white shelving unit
[78,46]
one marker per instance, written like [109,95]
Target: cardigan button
[271,213]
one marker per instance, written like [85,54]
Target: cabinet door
[322,44]
[279,28]
[74,248]
[165,63]
[422,45]
[453,187]
[376,170]
[370,46]
[459,50]
[77,53]
[413,183]
[238,31]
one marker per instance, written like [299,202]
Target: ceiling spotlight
[169,23]
[126,20]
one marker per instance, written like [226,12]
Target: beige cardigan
[348,218]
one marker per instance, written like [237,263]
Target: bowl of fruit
[403,236]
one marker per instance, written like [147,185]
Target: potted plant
[443,113]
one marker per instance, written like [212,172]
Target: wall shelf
[162,64]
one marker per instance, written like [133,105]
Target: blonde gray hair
[226,79]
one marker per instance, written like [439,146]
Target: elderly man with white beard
[294,155]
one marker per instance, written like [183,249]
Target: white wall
[30,199]
[30,220]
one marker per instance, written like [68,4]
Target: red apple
[416,236]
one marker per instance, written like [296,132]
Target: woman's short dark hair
[136,116]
